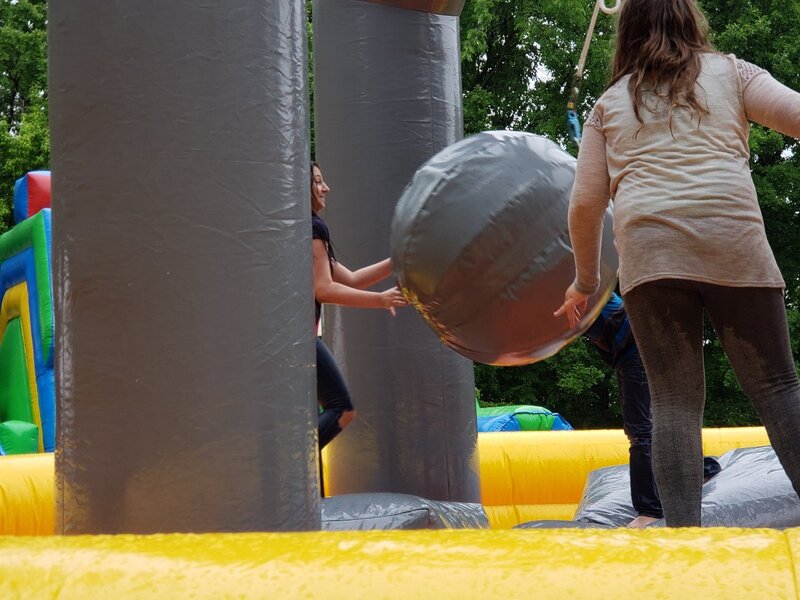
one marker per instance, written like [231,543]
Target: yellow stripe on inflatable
[27,495]
[486,565]
[506,517]
[720,441]
[15,304]
[544,467]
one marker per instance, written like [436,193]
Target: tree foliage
[518,59]
[24,137]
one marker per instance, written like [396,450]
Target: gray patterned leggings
[667,321]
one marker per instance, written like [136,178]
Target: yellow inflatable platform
[684,564]
[525,476]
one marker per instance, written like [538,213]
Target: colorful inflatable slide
[27,400]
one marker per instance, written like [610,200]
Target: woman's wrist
[586,289]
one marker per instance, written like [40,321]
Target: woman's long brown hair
[659,44]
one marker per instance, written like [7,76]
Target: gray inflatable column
[181,243]
[387,98]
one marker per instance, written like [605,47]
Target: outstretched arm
[770,103]
[364,277]
[328,291]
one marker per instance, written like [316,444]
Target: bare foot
[641,522]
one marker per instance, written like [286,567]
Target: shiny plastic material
[606,500]
[26,327]
[525,476]
[27,495]
[18,437]
[751,490]
[555,524]
[16,405]
[480,246]
[526,417]
[185,365]
[537,475]
[388,97]
[516,465]
[31,194]
[398,511]
[439,7]
[374,565]
[511,515]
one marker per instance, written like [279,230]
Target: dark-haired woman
[668,141]
[336,284]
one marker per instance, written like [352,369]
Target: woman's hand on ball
[574,306]
[392,298]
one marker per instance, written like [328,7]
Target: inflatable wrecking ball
[481,247]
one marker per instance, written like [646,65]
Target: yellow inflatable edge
[445,564]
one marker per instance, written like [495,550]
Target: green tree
[761,32]
[518,58]
[24,136]
[310,39]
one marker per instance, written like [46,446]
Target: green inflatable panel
[535,421]
[33,233]
[530,418]
[15,396]
[526,417]
[19,437]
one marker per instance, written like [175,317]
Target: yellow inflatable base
[525,476]
[541,564]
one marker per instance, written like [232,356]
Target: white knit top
[684,202]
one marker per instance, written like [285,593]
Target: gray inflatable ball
[480,247]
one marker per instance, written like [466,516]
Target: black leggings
[332,395]
[667,321]
[634,397]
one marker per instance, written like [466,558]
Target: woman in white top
[668,142]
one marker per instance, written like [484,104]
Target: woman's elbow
[323,293]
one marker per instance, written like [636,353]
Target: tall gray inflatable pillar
[387,98]
[181,241]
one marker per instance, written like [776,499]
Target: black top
[319,231]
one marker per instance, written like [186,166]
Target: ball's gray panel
[182,270]
[440,7]
[480,245]
[388,97]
